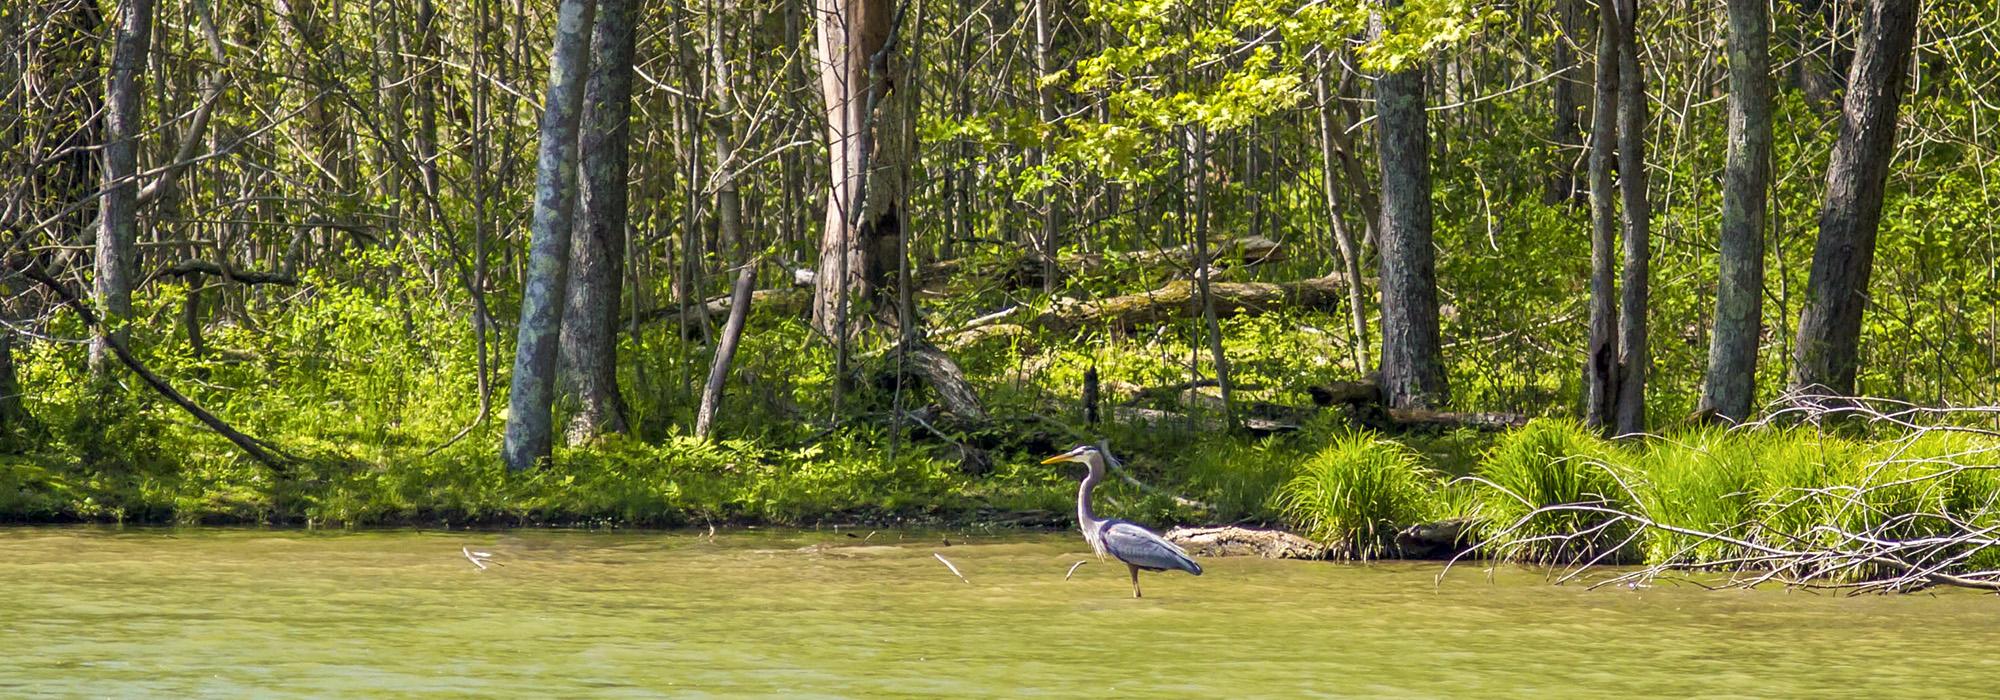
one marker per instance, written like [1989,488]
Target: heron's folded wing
[1140,547]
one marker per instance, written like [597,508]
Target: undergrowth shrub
[1703,480]
[1552,462]
[1358,491]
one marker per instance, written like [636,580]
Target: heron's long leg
[1135,580]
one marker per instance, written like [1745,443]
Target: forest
[1715,281]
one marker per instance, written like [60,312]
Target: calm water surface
[109,613]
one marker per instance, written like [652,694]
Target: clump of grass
[1358,491]
[1705,480]
[1241,480]
[1552,462]
[1795,469]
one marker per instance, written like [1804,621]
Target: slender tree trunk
[1600,372]
[1412,373]
[1045,110]
[597,245]
[1350,163]
[1731,385]
[1634,359]
[1350,252]
[1829,336]
[725,350]
[530,404]
[117,240]
[1566,134]
[1197,158]
[723,139]
[864,205]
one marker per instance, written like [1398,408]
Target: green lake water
[239,613]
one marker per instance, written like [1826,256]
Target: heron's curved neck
[1085,517]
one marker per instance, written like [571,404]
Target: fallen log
[1231,541]
[946,380]
[1439,540]
[981,334]
[1180,300]
[1366,391]
[1026,270]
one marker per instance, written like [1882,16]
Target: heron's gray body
[1138,547]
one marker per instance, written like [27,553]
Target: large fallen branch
[252,446]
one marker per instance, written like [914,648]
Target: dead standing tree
[859,248]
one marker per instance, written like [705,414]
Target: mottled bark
[597,243]
[1634,359]
[530,404]
[1600,368]
[112,285]
[1837,292]
[1731,383]
[1412,361]
[864,203]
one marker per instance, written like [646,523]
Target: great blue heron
[1138,547]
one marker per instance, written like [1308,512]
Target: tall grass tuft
[1358,491]
[1552,462]
[1705,480]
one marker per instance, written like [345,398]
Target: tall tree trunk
[530,404]
[1566,133]
[1837,290]
[1634,359]
[1412,373]
[117,240]
[597,246]
[864,205]
[1600,370]
[1731,385]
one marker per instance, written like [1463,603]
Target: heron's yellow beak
[1055,459]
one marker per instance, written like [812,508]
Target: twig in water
[479,559]
[948,565]
[1073,568]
